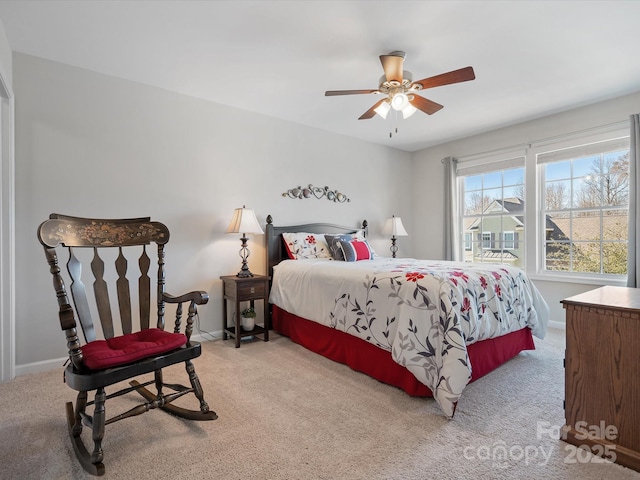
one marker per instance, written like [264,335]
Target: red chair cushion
[130,347]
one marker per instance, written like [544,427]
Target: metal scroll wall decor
[317,192]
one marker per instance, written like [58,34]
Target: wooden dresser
[602,373]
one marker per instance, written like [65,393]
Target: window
[584,208]
[508,240]
[486,240]
[575,225]
[468,236]
[492,211]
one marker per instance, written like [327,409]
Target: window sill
[578,279]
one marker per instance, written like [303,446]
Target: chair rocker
[122,353]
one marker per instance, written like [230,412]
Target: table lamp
[394,227]
[244,221]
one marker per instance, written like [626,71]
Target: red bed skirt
[364,357]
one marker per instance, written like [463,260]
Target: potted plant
[248,319]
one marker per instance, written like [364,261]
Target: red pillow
[130,347]
[362,250]
[356,250]
[289,252]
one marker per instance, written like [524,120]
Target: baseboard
[558,325]
[43,366]
[207,336]
[58,363]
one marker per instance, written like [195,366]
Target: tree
[476,203]
[557,196]
[586,256]
[606,185]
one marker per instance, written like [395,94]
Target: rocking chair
[125,352]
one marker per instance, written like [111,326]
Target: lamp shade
[383,109]
[244,221]
[408,111]
[399,101]
[394,227]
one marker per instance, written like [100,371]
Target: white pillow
[302,245]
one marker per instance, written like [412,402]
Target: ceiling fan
[401,90]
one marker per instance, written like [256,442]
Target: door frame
[7,230]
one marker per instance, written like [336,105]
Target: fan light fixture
[399,101]
[383,109]
[408,111]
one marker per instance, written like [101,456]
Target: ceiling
[277,58]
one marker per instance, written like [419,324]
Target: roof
[505,206]
[504,255]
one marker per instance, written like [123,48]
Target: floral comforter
[424,312]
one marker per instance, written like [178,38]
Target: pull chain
[391,123]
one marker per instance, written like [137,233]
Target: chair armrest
[197,297]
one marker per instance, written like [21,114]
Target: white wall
[93,145]
[90,144]
[428,177]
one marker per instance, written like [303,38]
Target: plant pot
[248,323]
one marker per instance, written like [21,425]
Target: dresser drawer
[250,290]
[245,290]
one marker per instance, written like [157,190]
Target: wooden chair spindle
[124,296]
[102,295]
[144,288]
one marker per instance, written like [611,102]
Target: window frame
[480,165]
[467,244]
[606,134]
[506,242]
[531,239]
[485,243]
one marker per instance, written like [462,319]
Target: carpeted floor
[286,413]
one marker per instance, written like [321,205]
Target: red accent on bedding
[485,356]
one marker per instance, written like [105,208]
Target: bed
[427,327]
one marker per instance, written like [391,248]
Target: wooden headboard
[276,251]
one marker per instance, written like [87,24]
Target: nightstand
[247,289]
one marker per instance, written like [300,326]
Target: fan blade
[392,66]
[332,93]
[456,76]
[371,112]
[427,106]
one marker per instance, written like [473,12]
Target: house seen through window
[493,216]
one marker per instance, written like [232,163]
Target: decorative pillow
[333,241]
[306,245]
[359,235]
[356,250]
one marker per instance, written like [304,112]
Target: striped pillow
[334,245]
[356,250]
